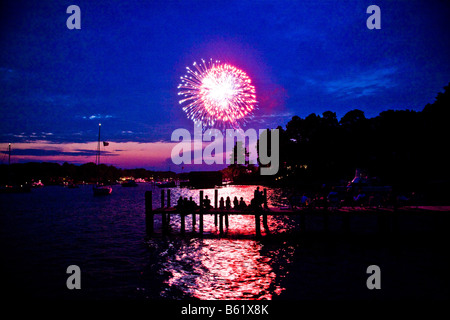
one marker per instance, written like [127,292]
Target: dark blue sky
[123,67]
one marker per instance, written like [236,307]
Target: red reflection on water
[223,269]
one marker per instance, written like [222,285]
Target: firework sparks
[216,94]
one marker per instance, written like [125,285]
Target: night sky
[123,68]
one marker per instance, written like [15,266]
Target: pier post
[264,220]
[221,223]
[148,212]
[163,214]
[226,220]
[193,219]
[265,199]
[168,205]
[264,214]
[201,212]
[257,224]
[168,198]
[183,223]
[216,197]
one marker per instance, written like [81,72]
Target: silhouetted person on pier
[258,199]
[221,203]
[254,204]
[228,203]
[191,204]
[207,203]
[242,204]
[236,203]
[180,203]
[257,195]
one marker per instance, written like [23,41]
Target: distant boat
[100,189]
[129,183]
[13,188]
[37,184]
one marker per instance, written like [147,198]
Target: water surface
[45,231]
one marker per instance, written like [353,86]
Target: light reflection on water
[227,268]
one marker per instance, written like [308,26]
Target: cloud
[273,119]
[56,152]
[286,114]
[29,136]
[362,84]
[98,116]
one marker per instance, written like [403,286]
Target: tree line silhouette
[403,148]
[55,174]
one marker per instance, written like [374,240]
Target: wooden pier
[387,219]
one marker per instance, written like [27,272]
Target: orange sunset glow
[119,154]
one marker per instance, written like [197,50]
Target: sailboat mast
[9,154]
[98,145]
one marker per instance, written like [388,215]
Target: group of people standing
[224,204]
[237,204]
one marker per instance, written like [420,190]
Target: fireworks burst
[216,94]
